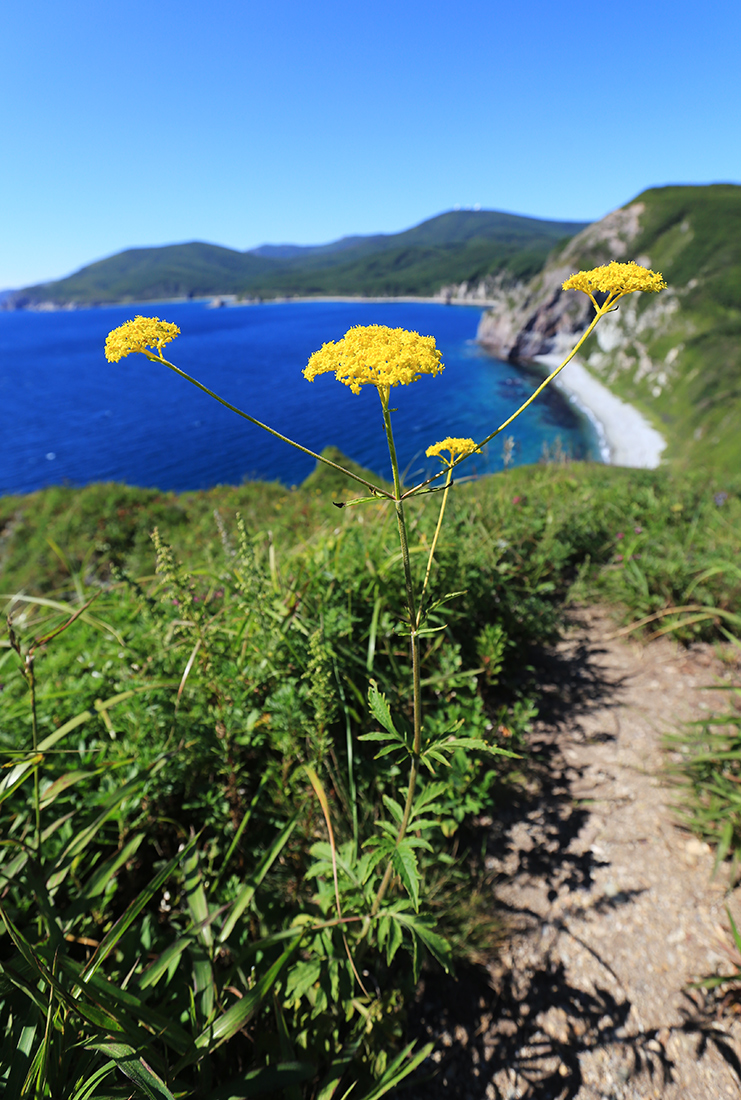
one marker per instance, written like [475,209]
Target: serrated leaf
[434,942]
[379,735]
[428,794]
[379,709]
[395,941]
[393,808]
[404,862]
[367,864]
[302,978]
[389,749]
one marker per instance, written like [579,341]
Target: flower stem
[587,332]
[606,307]
[31,680]
[375,489]
[411,607]
[434,543]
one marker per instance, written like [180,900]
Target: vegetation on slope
[678,358]
[455,246]
[181,823]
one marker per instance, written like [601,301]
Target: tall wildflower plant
[273,1001]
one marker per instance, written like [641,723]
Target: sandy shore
[626,437]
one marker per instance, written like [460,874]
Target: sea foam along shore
[626,437]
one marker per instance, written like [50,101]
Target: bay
[71,417]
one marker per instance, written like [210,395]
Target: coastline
[230,301]
[626,437]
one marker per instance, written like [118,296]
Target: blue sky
[242,123]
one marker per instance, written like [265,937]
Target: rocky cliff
[676,355]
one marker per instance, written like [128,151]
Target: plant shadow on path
[521,1027]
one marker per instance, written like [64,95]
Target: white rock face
[539,318]
[539,321]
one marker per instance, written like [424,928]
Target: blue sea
[71,417]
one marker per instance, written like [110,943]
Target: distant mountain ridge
[675,355]
[455,246]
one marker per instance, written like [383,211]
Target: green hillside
[676,355]
[693,337]
[452,247]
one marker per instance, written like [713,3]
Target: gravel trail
[610,908]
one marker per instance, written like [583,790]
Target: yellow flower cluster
[377,356]
[615,280]
[457,448]
[138,335]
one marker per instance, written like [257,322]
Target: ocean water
[69,416]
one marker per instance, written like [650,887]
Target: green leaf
[367,864]
[110,940]
[64,782]
[428,631]
[86,1090]
[234,1019]
[23,768]
[389,749]
[67,609]
[734,930]
[247,893]
[266,1081]
[445,599]
[405,864]
[195,893]
[100,878]
[135,1068]
[379,709]
[80,840]
[379,735]
[395,940]
[724,845]
[88,1087]
[331,1081]
[91,1013]
[302,978]
[167,960]
[432,941]
[126,1007]
[393,808]
[401,1067]
[427,795]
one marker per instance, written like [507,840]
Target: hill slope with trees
[458,245]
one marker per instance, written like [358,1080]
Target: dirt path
[611,908]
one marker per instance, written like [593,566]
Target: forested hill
[453,247]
